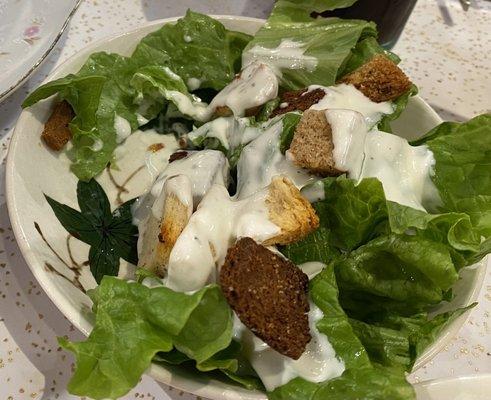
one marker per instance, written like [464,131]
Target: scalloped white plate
[29,30]
[57,262]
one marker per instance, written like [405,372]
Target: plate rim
[43,56]
[159,373]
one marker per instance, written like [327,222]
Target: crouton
[224,111]
[178,155]
[312,145]
[290,211]
[56,132]
[160,235]
[379,79]
[269,295]
[298,100]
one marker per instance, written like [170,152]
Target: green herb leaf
[111,236]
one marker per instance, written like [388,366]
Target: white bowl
[32,170]
[475,387]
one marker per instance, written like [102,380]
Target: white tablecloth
[444,50]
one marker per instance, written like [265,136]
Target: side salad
[288,241]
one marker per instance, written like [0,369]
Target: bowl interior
[57,261]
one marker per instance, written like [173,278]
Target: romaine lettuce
[133,323]
[463,168]
[362,378]
[320,51]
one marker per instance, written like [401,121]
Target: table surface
[444,50]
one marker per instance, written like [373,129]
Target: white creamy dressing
[122,127]
[261,160]
[191,106]
[288,55]
[347,97]
[255,85]
[97,145]
[314,192]
[171,74]
[193,83]
[231,132]
[318,363]
[187,38]
[348,135]
[203,168]
[312,268]
[141,119]
[217,223]
[404,170]
[178,185]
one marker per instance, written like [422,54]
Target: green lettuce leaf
[462,153]
[399,106]
[361,379]
[290,122]
[394,340]
[402,268]
[351,215]
[133,323]
[326,44]
[197,46]
[363,51]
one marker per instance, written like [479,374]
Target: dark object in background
[389,15]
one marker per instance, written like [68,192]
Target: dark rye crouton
[300,100]
[178,155]
[379,79]
[269,295]
[56,132]
[312,145]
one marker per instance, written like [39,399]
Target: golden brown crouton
[56,132]
[269,295]
[290,211]
[379,79]
[159,236]
[312,145]
[298,100]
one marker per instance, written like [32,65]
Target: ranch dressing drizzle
[318,363]
[347,97]
[288,55]
[255,85]
[122,128]
[314,192]
[203,168]
[230,131]
[404,170]
[261,160]
[218,222]
[349,132]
